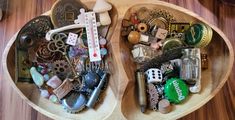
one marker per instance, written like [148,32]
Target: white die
[72,39]
[154,75]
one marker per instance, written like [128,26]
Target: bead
[37,77]
[54,82]
[102,42]
[44,93]
[103,51]
[142,27]
[134,37]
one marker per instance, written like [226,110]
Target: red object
[134,19]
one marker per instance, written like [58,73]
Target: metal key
[57,45]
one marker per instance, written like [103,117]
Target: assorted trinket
[68,63]
[168,57]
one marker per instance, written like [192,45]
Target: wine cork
[164,106]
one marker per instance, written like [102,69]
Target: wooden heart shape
[120,101]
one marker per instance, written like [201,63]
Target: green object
[37,77]
[176,90]
[195,34]
[171,43]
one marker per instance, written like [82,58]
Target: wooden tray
[120,100]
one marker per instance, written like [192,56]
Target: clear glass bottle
[191,65]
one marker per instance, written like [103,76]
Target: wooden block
[63,89]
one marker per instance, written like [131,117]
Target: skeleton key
[57,45]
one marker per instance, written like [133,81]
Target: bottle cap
[198,35]
[176,90]
[195,34]
[171,43]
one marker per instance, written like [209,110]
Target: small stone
[44,71]
[54,82]
[39,68]
[46,77]
[54,99]
[44,93]
[36,76]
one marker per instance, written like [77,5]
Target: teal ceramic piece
[37,77]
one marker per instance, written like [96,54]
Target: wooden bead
[142,27]
[134,37]
[164,106]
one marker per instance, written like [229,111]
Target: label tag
[161,33]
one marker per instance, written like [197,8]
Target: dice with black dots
[154,75]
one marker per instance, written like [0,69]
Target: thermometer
[92,37]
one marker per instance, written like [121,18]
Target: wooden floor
[18,12]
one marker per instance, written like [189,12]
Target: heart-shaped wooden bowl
[120,101]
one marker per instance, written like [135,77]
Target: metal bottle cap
[176,90]
[171,43]
[198,35]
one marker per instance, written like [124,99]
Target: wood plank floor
[18,12]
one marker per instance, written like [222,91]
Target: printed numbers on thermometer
[92,37]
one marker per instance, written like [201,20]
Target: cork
[164,106]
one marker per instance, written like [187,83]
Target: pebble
[53,99]
[36,76]
[54,82]
[46,77]
[44,93]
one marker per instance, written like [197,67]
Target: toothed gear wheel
[152,96]
[61,69]
[161,18]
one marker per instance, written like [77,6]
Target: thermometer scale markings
[92,36]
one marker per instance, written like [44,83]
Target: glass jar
[191,65]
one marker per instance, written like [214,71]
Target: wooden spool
[120,101]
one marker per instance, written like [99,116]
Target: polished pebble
[36,76]
[54,99]
[54,82]
[46,77]
[44,93]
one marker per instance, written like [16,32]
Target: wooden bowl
[120,101]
